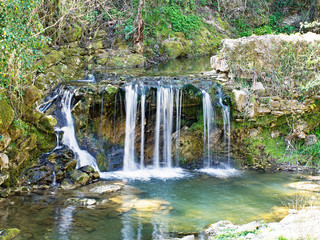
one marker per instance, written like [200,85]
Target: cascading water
[131,114]
[164,114]
[69,137]
[178,123]
[226,123]
[143,110]
[207,127]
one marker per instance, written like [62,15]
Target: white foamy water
[221,172]
[146,174]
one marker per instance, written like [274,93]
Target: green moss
[8,234]
[6,113]
[129,61]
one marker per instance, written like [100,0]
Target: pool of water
[188,204]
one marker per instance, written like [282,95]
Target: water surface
[196,200]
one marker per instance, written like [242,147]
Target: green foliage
[20,45]
[231,234]
[180,22]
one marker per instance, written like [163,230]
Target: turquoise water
[190,203]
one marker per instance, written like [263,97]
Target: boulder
[47,123]
[239,99]
[4,162]
[31,95]
[6,114]
[219,64]
[5,140]
[87,169]
[79,178]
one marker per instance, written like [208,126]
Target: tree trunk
[139,27]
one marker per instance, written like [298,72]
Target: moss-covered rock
[5,140]
[8,234]
[31,95]
[79,178]
[6,113]
[47,123]
[129,61]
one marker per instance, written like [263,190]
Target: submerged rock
[105,189]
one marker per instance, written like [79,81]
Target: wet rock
[40,175]
[6,114]
[31,95]
[47,123]
[8,234]
[70,165]
[79,178]
[4,162]
[150,205]
[67,184]
[311,140]
[3,177]
[87,169]
[5,141]
[239,98]
[95,176]
[106,189]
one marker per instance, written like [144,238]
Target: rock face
[278,102]
[6,114]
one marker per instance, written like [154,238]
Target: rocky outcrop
[268,92]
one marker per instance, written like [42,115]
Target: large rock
[79,178]
[4,162]
[5,140]
[31,95]
[6,114]
[219,64]
[47,123]
[239,98]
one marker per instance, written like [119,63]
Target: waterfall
[143,102]
[226,123]
[131,114]
[207,126]
[164,116]
[156,160]
[178,123]
[69,138]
